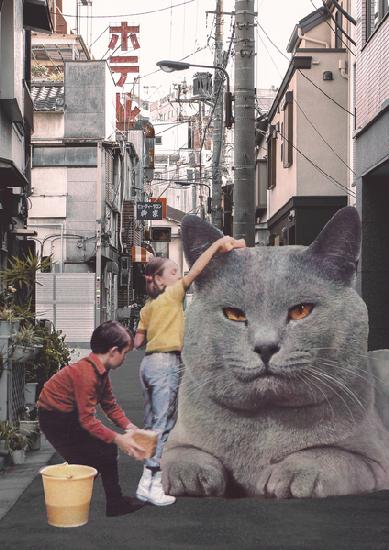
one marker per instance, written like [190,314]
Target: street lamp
[186,183]
[171,66]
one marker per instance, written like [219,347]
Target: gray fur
[303,424]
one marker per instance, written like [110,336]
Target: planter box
[30,393]
[3,447]
[35,445]
[19,456]
[6,328]
[28,426]
[22,354]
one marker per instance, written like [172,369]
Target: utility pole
[244,132]
[218,129]
[99,215]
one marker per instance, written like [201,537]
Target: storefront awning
[140,254]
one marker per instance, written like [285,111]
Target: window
[158,140]
[375,12]
[272,158]
[288,130]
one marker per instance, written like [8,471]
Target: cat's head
[277,325]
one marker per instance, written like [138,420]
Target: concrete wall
[89,112]
[329,119]
[372,167]
[318,37]
[11,78]
[286,178]
[49,125]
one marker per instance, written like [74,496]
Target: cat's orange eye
[300,311]
[234,314]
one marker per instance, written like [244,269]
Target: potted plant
[17,443]
[53,355]
[6,322]
[5,428]
[26,345]
[29,426]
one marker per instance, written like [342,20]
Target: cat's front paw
[193,473]
[298,477]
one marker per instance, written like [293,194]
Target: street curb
[14,480]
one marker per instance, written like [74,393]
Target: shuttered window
[287,135]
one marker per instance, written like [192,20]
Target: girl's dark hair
[109,335]
[154,267]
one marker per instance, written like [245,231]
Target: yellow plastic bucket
[68,491]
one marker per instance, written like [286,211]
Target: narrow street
[349,523]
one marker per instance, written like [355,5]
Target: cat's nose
[267,350]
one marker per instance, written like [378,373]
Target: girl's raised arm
[223,245]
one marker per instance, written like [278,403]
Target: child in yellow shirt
[161,326]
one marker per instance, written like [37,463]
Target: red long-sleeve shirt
[81,386]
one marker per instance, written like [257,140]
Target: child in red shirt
[67,409]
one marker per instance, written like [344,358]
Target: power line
[328,176]
[300,71]
[98,38]
[323,138]
[324,93]
[112,16]
[307,118]
[336,25]
[199,49]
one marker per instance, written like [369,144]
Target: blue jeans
[159,376]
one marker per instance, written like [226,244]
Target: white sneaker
[144,485]
[156,495]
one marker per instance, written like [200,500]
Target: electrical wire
[324,93]
[316,166]
[323,138]
[112,15]
[336,25]
[309,121]
[300,71]
[199,49]
[98,38]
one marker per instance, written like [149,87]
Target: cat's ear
[197,236]
[335,252]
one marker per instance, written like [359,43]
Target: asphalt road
[347,523]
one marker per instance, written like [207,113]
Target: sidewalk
[14,480]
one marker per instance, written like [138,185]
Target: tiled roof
[175,214]
[48,96]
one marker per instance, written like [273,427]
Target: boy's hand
[127,444]
[226,244]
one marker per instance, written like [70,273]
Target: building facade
[306,173]
[372,162]
[17,19]
[82,176]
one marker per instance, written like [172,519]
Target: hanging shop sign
[149,211]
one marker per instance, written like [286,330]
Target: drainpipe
[61,226]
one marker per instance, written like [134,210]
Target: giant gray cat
[278,396]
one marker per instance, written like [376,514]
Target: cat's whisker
[328,385]
[365,376]
[339,385]
[309,381]
[351,369]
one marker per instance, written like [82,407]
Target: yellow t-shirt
[162,319]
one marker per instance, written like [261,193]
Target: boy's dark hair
[108,335]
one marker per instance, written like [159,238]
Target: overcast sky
[179,31]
